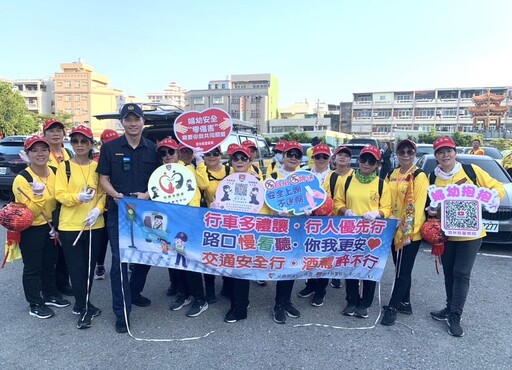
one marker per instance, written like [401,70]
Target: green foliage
[428,138]
[300,137]
[462,139]
[501,144]
[15,118]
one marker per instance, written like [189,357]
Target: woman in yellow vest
[459,252]
[82,201]
[408,186]
[363,198]
[38,243]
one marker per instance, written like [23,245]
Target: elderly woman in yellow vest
[408,187]
[367,196]
[38,249]
[78,190]
[459,252]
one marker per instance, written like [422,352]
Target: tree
[15,118]
[428,138]
[462,139]
[300,137]
[61,117]
[501,144]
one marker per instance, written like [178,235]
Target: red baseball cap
[33,140]
[108,135]
[280,145]
[343,149]
[373,150]
[443,142]
[405,143]
[50,122]
[250,144]
[292,145]
[321,149]
[84,130]
[240,149]
[168,143]
[231,147]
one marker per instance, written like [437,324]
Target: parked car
[498,225]
[365,141]
[160,124]
[488,150]
[10,163]
[356,149]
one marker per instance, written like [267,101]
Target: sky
[319,50]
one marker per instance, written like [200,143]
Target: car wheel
[5,194]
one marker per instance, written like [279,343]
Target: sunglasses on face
[81,141]
[186,151]
[297,155]
[237,158]
[409,152]
[321,156]
[370,160]
[212,154]
[162,152]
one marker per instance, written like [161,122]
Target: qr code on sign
[462,215]
[241,190]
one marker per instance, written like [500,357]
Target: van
[160,124]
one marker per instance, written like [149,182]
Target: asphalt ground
[414,342]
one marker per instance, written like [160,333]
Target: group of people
[86,193]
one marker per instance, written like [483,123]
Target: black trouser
[239,295]
[190,283]
[404,262]
[61,270]
[39,254]
[138,278]
[102,248]
[117,269]
[173,276]
[352,289]
[284,292]
[458,260]
[81,263]
[318,285]
[209,284]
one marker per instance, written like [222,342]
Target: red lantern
[432,233]
[15,217]
[325,209]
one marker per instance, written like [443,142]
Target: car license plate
[3,170]
[491,226]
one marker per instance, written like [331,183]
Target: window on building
[77,84]
[403,97]
[277,129]
[69,111]
[383,128]
[449,112]
[77,111]
[425,112]
[218,100]
[235,100]
[448,95]
[381,113]
[235,114]
[404,113]
[67,97]
[199,100]
[254,113]
[425,95]
[77,97]
[362,113]
[67,84]
[59,83]
[364,98]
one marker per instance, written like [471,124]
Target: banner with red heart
[206,129]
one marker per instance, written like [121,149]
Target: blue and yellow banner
[253,246]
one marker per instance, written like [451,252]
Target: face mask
[279,157]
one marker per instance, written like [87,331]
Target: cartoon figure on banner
[164,244]
[154,189]
[172,183]
[254,195]
[154,227]
[179,246]
[227,190]
[299,192]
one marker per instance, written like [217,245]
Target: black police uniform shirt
[129,169]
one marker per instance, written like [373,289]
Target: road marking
[494,255]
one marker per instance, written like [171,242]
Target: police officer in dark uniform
[125,166]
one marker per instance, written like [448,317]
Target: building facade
[173,94]
[381,114]
[82,93]
[38,94]
[250,97]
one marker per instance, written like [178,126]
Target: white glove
[86,195]
[24,157]
[37,188]
[92,217]
[494,205]
[372,215]
[53,234]
[431,211]
[198,155]
[349,213]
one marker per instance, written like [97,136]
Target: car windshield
[422,150]
[10,149]
[491,152]
[489,166]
